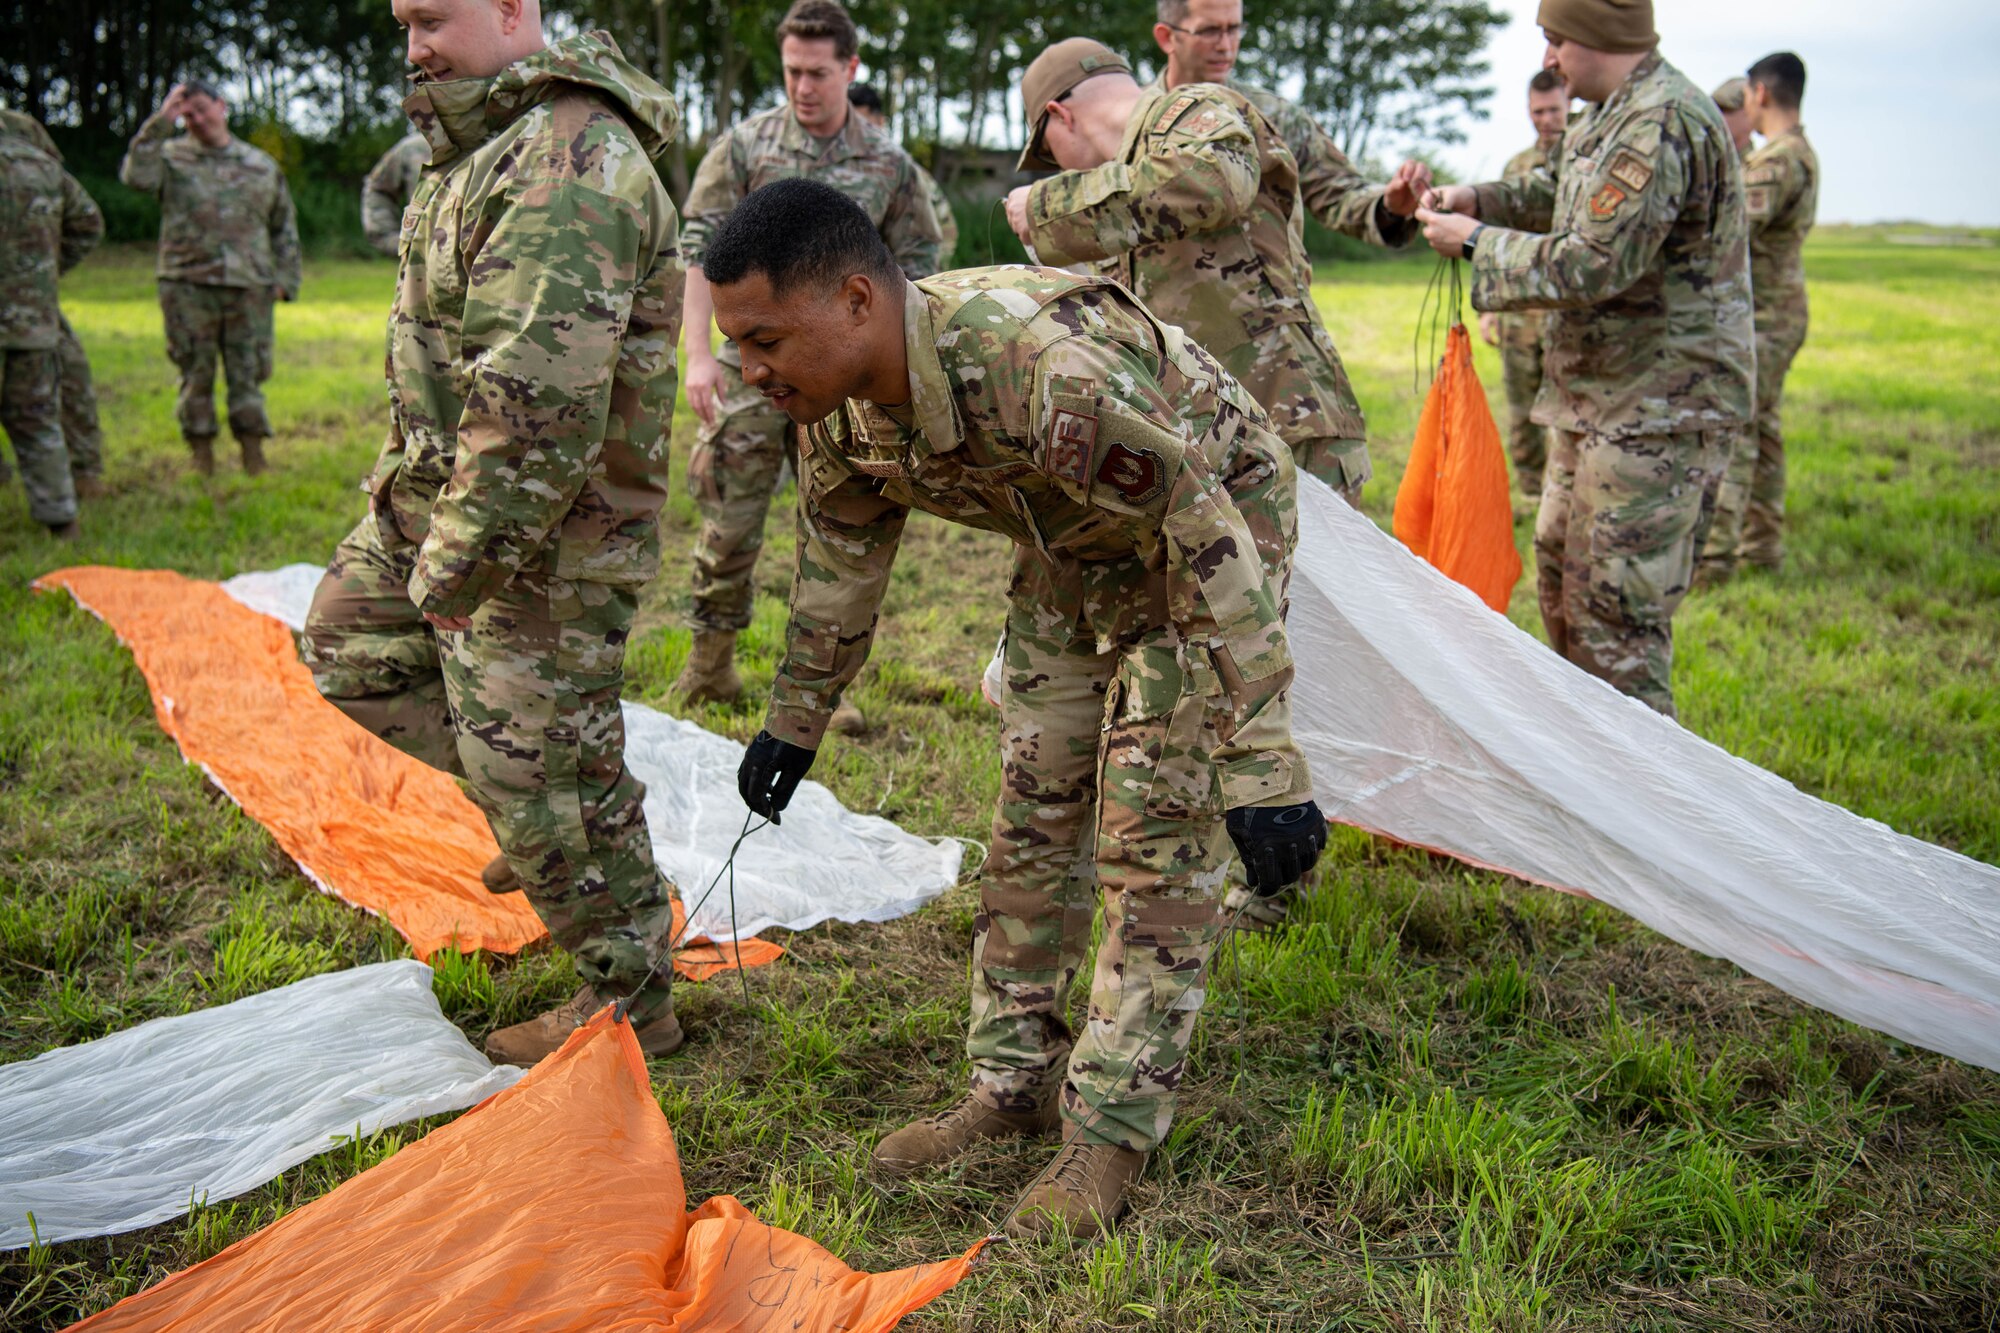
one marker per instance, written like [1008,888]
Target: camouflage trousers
[1098,755]
[1723,546]
[523,708]
[1615,543]
[1764,516]
[31,414]
[733,472]
[1295,374]
[1110,797]
[204,322]
[1527,442]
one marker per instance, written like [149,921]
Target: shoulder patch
[1072,438]
[1173,111]
[1757,200]
[1604,203]
[1630,170]
[1135,472]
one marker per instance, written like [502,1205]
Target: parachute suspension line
[623,1008]
[1444,302]
[993,250]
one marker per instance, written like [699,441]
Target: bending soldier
[1145,706]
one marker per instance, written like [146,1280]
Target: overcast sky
[1902,100]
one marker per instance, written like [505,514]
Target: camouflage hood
[459,115]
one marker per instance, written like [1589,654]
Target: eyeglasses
[1216,36]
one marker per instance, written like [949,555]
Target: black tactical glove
[1278,843]
[770,773]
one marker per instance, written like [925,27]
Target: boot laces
[1071,1172]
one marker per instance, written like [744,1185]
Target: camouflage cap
[1052,76]
[1728,94]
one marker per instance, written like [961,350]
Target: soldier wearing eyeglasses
[1201,40]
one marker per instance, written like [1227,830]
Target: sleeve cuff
[804,727]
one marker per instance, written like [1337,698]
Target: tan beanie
[1728,94]
[1618,26]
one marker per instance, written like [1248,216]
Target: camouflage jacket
[1195,215]
[1330,189]
[947,219]
[531,345]
[25,125]
[47,225]
[1638,246]
[1053,408]
[1523,331]
[862,162]
[226,217]
[1781,195]
[386,192]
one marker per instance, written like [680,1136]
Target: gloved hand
[1278,843]
[770,773]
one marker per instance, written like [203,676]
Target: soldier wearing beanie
[1638,245]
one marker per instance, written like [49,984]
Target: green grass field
[1441,1100]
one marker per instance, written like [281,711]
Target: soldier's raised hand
[1407,188]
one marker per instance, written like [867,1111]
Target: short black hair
[864,96]
[202,87]
[797,232]
[1785,75]
[1546,81]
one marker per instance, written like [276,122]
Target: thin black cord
[624,1007]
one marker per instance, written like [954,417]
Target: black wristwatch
[1468,244]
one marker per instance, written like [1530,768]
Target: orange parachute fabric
[1453,508]
[558,1204]
[366,822]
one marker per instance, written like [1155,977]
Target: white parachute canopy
[1431,719]
[825,862]
[128,1130]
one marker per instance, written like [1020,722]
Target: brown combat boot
[89,486]
[710,674]
[499,877]
[527,1044]
[951,1131]
[1083,1189]
[201,452]
[66,532]
[253,455]
[848,720]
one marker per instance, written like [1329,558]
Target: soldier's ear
[858,296]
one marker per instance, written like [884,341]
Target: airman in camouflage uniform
[1201,184]
[229,247]
[386,192]
[1638,246]
[478,617]
[1329,190]
[1147,668]
[82,435]
[1781,195]
[1719,549]
[737,458]
[47,225]
[869,103]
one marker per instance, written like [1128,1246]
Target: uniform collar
[930,391]
[1642,71]
[845,144]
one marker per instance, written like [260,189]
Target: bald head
[469,39]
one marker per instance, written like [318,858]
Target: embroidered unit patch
[1137,474]
[1071,437]
[1631,171]
[1174,111]
[1605,202]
